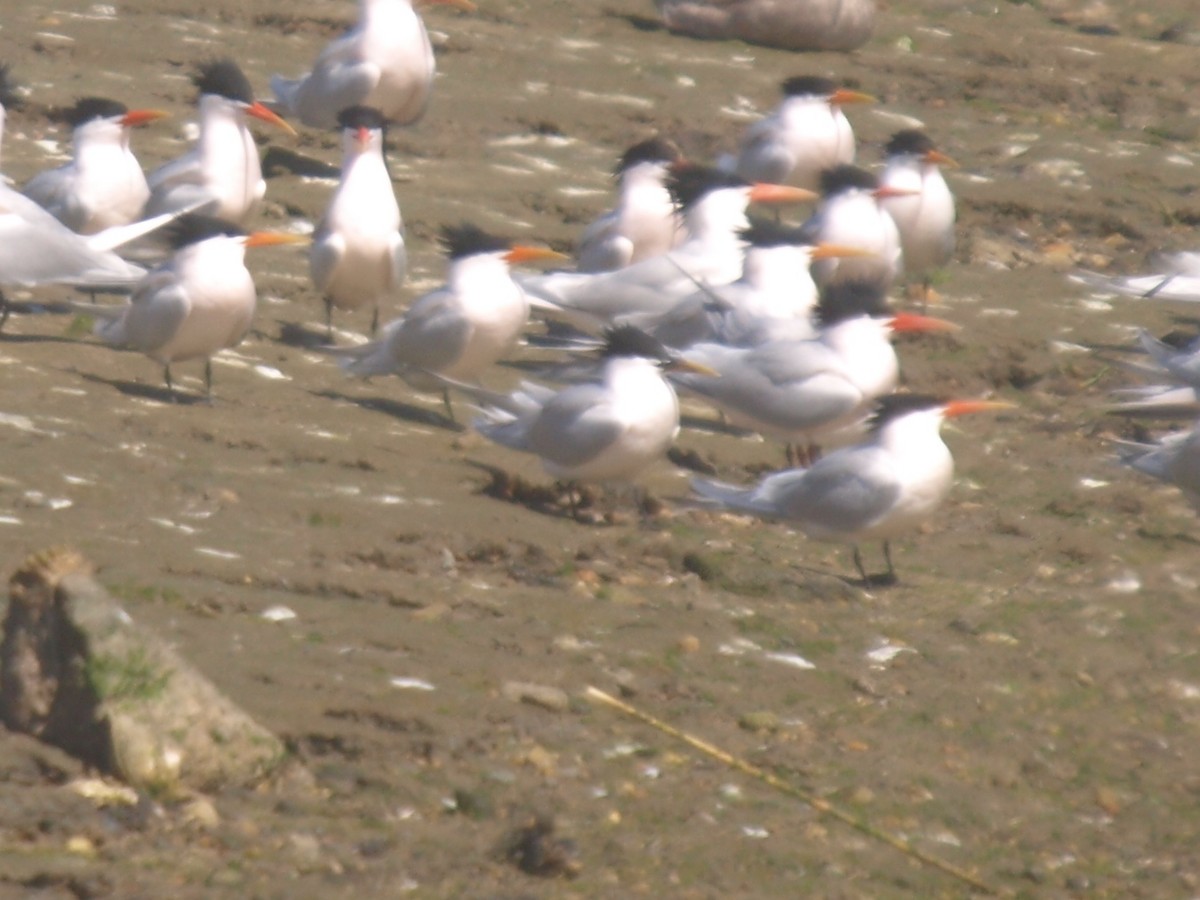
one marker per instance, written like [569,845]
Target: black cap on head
[361,117]
[88,108]
[471,240]
[807,86]
[852,299]
[910,140]
[845,177]
[770,233]
[655,149]
[894,406]
[689,183]
[8,89]
[627,340]
[224,77]
[193,228]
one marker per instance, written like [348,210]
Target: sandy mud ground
[1025,703]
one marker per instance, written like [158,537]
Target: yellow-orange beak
[687,365]
[259,111]
[839,251]
[762,192]
[885,191]
[136,117]
[522,253]
[911,322]
[964,407]
[274,238]
[938,158]
[842,96]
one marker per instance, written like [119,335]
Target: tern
[459,330]
[851,214]
[1175,459]
[221,176]
[882,487]
[644,222]
[713,205]
[199,301]
[358,256]
[103,185]
[802,391]
[606,431]
[922,207]
[1179,280]
[806,134]
[385,62]
[788,24]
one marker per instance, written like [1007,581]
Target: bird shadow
[641,23]
[397,410]
[295,334]
[159,394]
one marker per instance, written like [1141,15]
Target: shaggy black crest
[627,340]
[893,406]
[88,108]
[653,150]
[361,117]
[689,183]
[843,178]
[807,86]
[470,240]
[909,141]
[770,233]
[223,77]
[194,228]
[9,97]
[844,300]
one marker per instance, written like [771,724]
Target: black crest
[852,299]
[909,141]
[224,77]
[626,340]
[844,178]
[689,183]
[9,97]
[361,117]
[471,240]
[807,86]
[88,108]
[770,233]
[194,228]
[894,406]
[655,149]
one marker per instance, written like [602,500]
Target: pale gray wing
[762,156]
[54,192]
[602,248]
[840,494]
[574,426]
[433,335]
[156,310]
[399,257]
[327,250]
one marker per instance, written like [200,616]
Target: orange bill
[521,253]
[275,238]
[911,322]
[839,251]
[136,117]
[259,111]
[842,96]
[964,407]
[762,192]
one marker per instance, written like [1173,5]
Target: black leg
[449,406]
[375,321]
[208,379]
[858,564]
[887,555]
[5,309]
[170,384]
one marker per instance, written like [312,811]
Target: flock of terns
[785,330]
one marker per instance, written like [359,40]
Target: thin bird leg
[329,320]
[170,384]
[858,564]
[5,309]
[375,321]
[448,405]
[208,379]
[891,570]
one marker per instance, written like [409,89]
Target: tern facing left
[874,490]
[358,256]
[385,62]
[198,302]
[103,185]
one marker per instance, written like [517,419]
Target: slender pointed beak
[362,137]
[136,117]
[463,5]
[259,111]
[963,407]
[886,191]
[680,364]
[938,158]
[911,322]
[843,96]
[839,251]
[762,192]
[275,238]
[522,253]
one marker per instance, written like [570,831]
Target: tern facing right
[358,256]
[874,490]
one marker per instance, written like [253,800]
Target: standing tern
[713,205]
[605,431]
[851,214]
[802,391]
[221,176]
[198,302]
[884,486]
[922,207]
[385,61]
[644,222]
[358,256]
[103,185]
[788,24]
[462,328]
[805,134]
